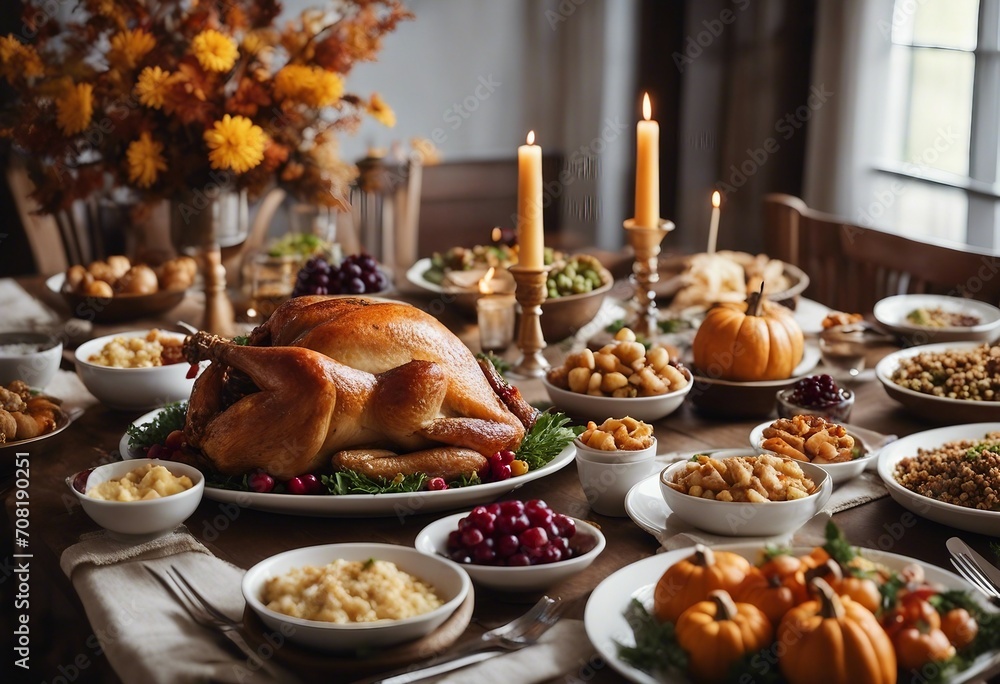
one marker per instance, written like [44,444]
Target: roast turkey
[348,379]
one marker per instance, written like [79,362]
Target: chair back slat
[852,267]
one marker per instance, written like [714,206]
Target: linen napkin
[564,650]
[21,311]
[66,385]
[147,635]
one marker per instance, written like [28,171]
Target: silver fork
[974,576]
[513,636]
[203,612]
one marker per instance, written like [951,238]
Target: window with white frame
[941,120]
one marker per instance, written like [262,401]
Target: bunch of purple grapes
[817,391]
[512,533]
[356,274]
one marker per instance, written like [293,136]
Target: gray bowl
[29,356]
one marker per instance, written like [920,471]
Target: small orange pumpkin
[774,587]
[920,644]
[861,589]
[716,633]
[960,627]
[689,581]
[747,341]
[834,640]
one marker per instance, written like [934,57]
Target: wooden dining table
[62,639]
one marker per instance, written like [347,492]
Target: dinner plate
[464,299]
[938,410]
[891,313]
[959,517]
[606,625]
[645,505]
[64,421]
[369,505]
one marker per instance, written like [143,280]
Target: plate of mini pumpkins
[737,612]
[116,289]
[743,353]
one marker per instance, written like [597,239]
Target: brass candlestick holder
[645,241]
[219,315]
[530,293]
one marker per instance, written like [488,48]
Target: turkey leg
[302,393]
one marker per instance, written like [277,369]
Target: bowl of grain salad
[925,318]
[135,371]
[950,475]
[344,597]
[953,382]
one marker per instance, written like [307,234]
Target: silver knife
[957,546]
[418,674]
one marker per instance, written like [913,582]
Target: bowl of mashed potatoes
[139,497]
[135,371]
[343,597]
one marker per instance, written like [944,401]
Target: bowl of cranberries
[817,395]
[514,545]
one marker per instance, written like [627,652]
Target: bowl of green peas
[577,286]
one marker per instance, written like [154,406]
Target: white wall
[564,68]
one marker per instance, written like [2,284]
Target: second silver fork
[208,615]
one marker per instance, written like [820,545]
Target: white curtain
[853,38]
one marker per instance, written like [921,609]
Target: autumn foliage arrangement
[161,96]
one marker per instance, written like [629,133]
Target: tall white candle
[713,228]
[530,231]
[647,168]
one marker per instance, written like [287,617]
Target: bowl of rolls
[116,289]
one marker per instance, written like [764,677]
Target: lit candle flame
[484,283]
[497,234]
[716,199]
[647,109]
[531,137]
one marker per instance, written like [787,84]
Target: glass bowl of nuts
[621,378]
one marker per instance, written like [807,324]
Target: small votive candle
[496,321]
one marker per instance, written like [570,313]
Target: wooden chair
[852,267]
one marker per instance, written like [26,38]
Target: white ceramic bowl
[746,519]
[36,368]
[132,389]
[448,579]
[839,472]
[594,408]
[433,541]
[619,456]
[959,517]
[151,517]
[891,312]
[934,409]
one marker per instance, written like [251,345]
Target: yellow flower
[254,42]
[18,60]
[74,108]
[310,85]
[235,143]
[381,112]
[145,160]
[129,47]
[151,88]
[215,51]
